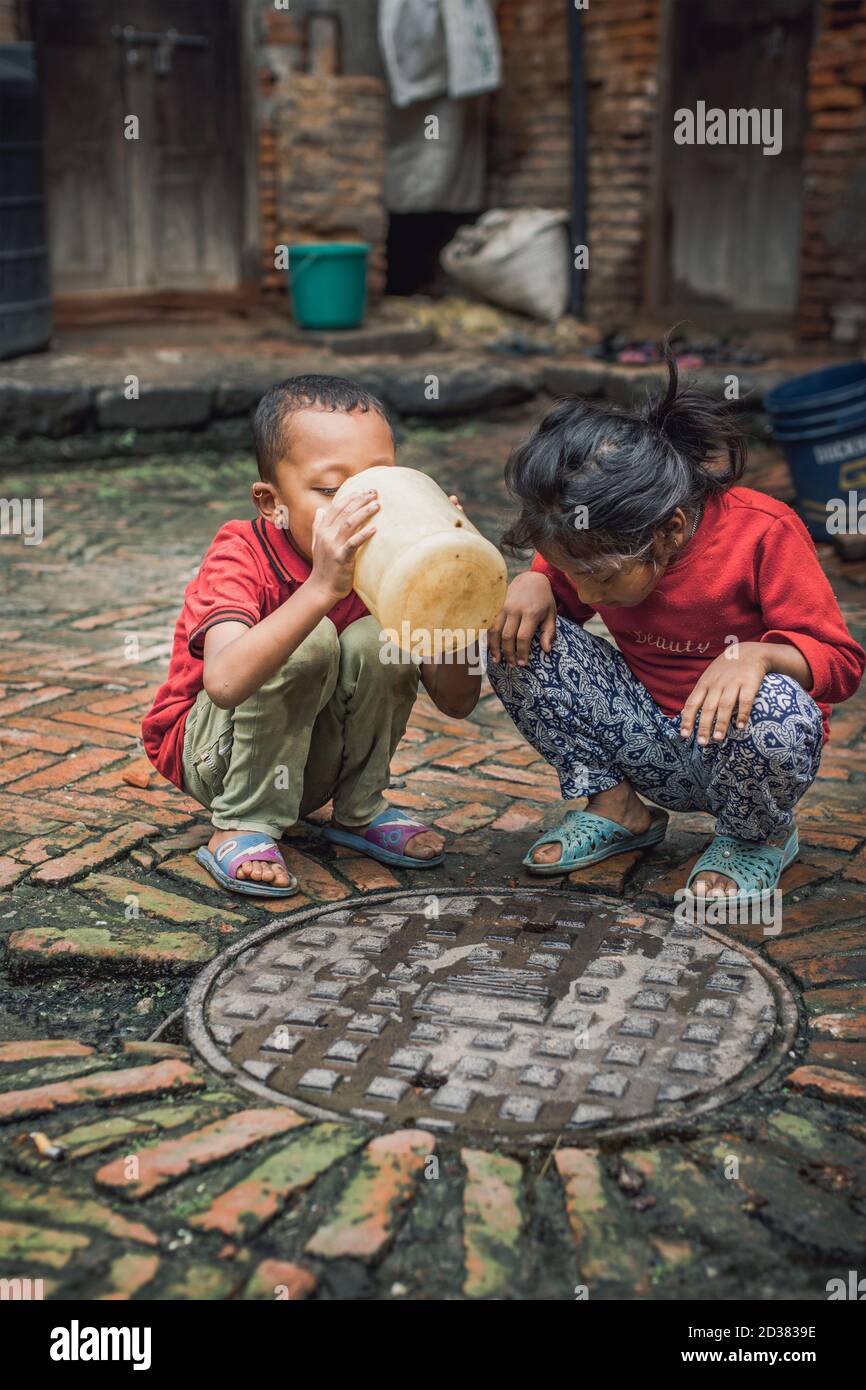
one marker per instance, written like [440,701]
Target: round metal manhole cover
[520,1014]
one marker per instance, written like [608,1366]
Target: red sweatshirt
[750,571]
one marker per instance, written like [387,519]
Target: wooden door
[731,213]
[161,211]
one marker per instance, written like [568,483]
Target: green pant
[324,726]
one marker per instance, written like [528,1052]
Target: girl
[731,643]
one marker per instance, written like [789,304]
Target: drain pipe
[578,151]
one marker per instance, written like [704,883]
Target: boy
[276,699]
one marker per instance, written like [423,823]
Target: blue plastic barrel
[820,421]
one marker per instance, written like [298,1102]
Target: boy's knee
[364,655]
[317,657]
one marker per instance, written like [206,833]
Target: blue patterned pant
[584,711]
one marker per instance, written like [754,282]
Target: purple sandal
[386,838]
[241,849]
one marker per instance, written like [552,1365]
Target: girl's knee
[782,701]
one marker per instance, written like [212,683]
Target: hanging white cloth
[436,48]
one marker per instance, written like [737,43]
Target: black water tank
[25,286]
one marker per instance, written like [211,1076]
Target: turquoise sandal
[586,838]
[755,867]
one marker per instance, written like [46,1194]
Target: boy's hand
[529,608]
[338,532]
[729,683]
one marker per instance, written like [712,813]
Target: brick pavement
[106,915]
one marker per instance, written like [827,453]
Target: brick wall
[321,153]
[833,261]
[530,151]
[530,118]
[621,43]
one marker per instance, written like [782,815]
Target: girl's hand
[338,532]
[529,608]
[729,683]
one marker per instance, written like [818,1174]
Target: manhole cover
[521,1014]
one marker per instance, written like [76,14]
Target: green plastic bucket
[328,283]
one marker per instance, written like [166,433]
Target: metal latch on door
[163,45]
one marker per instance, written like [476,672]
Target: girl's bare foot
[621,804]
[255,870]
[713,885]
[426,846]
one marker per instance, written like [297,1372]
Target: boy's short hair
[271,422]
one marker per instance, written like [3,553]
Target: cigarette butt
[45,1146]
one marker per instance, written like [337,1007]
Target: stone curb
[84,420]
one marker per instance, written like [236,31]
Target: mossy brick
[38,1244]
[172,1159]
[154,902]
[128,1275]
[40,1049]
[55,1071]
[94,1138]
[30,1200]
[176,1114]
[101,1088]
[797,1210]
[279,1280]
[694,1200]
[203,1282]
[365,1218]
[492,1222]
[609,1253]
[796,1133]
[250,1204]
[136,952]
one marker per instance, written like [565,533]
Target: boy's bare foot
[426,846]
[256,870]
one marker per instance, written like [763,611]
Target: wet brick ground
[106,918]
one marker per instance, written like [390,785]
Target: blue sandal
[587,838]
[755,867]
[241,849]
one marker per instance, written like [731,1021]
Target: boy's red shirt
[751,571]
[249,570]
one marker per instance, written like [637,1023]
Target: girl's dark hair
[630,472]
